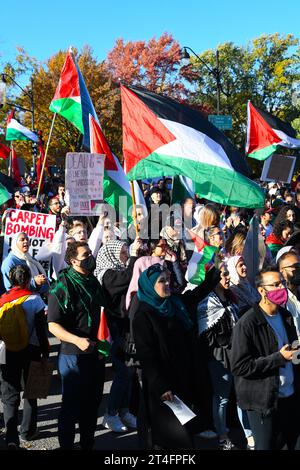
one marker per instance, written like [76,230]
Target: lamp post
[213,71]
[4,77]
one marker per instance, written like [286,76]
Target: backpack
[13,325]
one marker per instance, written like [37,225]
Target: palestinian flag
[164,138]
[4,151]
[72,99]
[182,188]
[4,194]
[265,133]
[274,244]
[103,336]
[15,130]
[115,184]
[202,259]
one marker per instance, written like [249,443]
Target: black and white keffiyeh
[109,258]
[210,311]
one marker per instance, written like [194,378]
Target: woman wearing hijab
[114,271]
[245,294]
[167,350]
[19,254]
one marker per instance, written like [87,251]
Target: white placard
[84,183]
[40,229]
[180,410]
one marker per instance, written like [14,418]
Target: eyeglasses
[275,284]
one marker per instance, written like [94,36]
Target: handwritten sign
[84,183]
[40,229]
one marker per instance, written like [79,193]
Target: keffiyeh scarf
[109,258]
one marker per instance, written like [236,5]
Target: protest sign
[39,380]
[278,168]
[40,229]
[84,183]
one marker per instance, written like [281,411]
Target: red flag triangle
[259,134]
[100,145]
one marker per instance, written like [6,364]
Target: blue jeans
[221,380]
[119,395]
[244,420]
[82,378]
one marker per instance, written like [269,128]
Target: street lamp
[215,71]
[29,93]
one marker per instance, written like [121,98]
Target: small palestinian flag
[103,336]
[274,244]
[72,99]
[265,133]
[202,259]
[164,138]
[16,131]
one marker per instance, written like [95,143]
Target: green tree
[263,72]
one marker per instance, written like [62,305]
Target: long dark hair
[19,275]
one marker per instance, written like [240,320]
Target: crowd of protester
[225,339]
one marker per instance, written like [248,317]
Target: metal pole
[218,82]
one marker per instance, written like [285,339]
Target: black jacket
[255,360]
[115,285]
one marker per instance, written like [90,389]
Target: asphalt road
[104,439]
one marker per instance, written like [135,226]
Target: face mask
[295,278]
[278,296]
[88,263]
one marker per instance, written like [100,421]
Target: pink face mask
[278,296]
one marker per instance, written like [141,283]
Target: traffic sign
[221,121]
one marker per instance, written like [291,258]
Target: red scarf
[13,294]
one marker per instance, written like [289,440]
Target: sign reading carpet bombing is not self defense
[84,183]
[40,229]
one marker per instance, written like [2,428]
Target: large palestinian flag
[164,138]
[266,132]
[72,99]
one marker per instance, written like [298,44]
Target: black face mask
[88,263]
[295,278]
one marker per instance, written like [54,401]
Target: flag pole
[134,208]
[10,159]
[45,157]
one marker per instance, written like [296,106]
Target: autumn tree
[66,138]
[154,64]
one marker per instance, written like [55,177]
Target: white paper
[84,183]
[180,410]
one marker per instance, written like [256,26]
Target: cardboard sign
[278,168]
[40,229]
[39,380]
[84,183]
